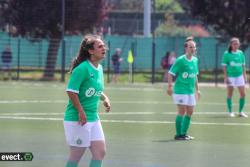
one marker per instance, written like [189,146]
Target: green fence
[33,54]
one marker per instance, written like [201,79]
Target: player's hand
[226,80]
[170,91]
[198,95]
[245,78]
[82,118]
[106,104]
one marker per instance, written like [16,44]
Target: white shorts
[236,81]
[184,99]
[81,136]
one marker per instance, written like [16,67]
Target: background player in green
[186,88]
[234,75]
[82,126]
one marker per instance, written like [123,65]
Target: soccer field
[139,130]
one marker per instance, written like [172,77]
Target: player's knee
[100,154]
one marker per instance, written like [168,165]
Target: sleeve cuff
[71,90]
[171,73]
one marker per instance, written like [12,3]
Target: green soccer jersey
[186,72]
[234,62]
[87,81]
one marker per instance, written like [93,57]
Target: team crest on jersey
[180,101]
[91,75]
[79,141]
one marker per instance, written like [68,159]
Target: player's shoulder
[195,59]
[240,51]
[180,58]
[81,66]
[226,52]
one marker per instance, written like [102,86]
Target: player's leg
[98,146]
[242,101]
[240,83]
[187,118]
[165,75]
[75,155]
[181,101]
[178,121]
[186,122]
[78,139]
[230,90]
[98,150]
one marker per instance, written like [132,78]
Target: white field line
[128,121]
[111,113]
[114,102]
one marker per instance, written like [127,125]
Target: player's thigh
[77,135]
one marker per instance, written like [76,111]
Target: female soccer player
[234,75]
[82,125]
[184,94]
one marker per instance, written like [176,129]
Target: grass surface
[139,130]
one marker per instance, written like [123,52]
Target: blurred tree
[170,6]
[228,17]
[137,5]
[171,28]
[43,19]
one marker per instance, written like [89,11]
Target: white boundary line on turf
[129,121]
[114,102]
[111,113]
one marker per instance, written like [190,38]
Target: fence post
[216,62]
[153,61]
[18,56]
[63,61]
[133,64]
[108,68]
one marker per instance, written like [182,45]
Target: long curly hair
[83,53]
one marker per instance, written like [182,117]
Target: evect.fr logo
[92,92]
[186,75]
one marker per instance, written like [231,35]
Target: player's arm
[106,102]
[224,66]
[170,84]
[244,68]
[171,73]
[244,73]
[76,103]
[198,92]
[76,78]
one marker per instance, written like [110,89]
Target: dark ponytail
[83,53]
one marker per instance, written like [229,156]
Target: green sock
[71,164]
[185,124]
[178,124]
[95,163]
[229,104]
[241,104]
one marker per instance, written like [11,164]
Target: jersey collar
[187,58]
[94,67]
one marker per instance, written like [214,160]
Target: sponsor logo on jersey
[186,75]
[234,64]
[92,92]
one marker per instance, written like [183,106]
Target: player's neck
[94,63]
[189,56]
